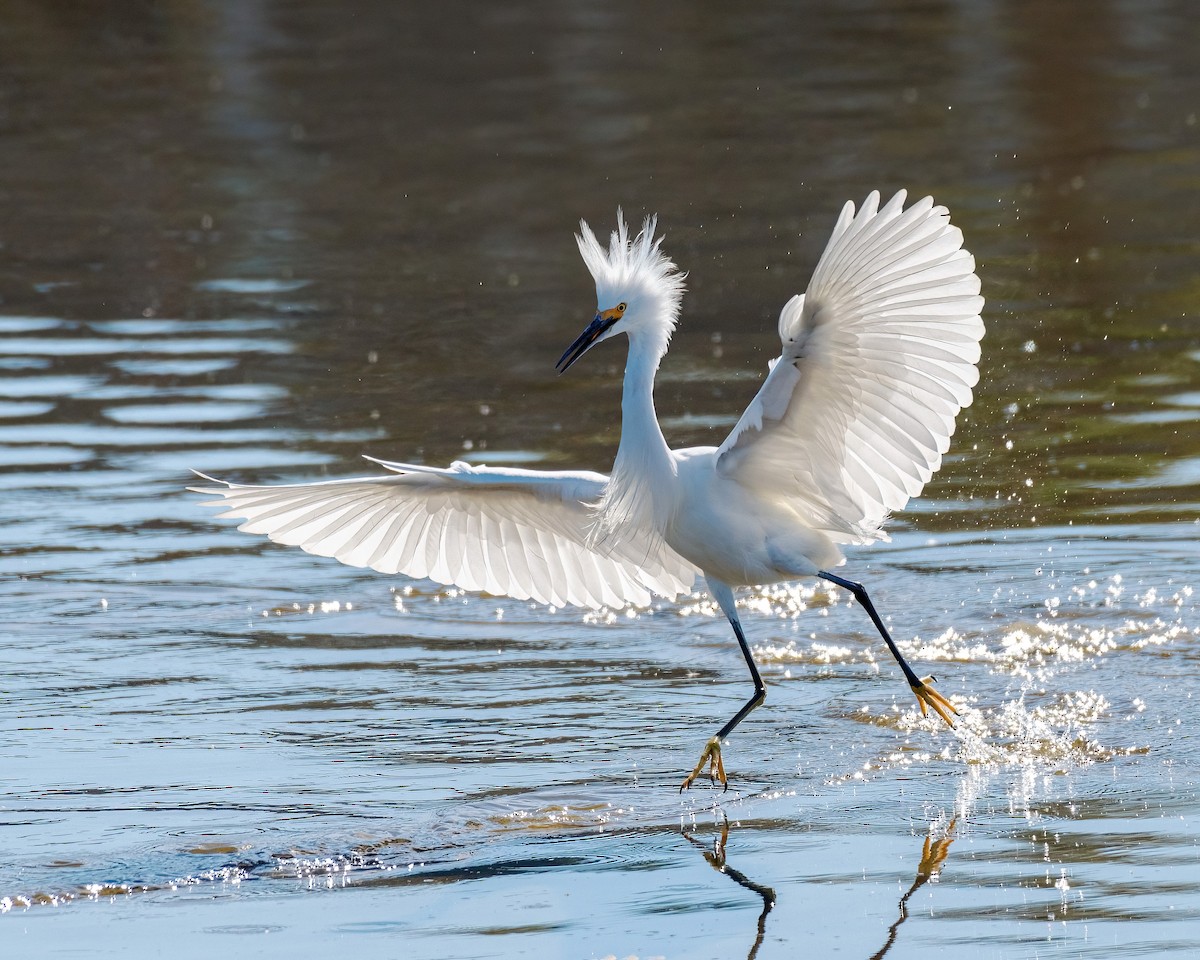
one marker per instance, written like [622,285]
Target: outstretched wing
[520,533]
[878,358]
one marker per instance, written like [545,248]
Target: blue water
[303,235]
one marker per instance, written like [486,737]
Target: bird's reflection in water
[716,859]
[933,855]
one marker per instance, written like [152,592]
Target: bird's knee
[853,586]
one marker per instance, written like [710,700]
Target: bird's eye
[621,307]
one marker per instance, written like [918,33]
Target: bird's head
[638,289]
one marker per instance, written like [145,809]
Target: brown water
[260,239]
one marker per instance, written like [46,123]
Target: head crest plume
[635,272]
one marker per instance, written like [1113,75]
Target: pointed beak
[595,330]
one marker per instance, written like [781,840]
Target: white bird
[878,357]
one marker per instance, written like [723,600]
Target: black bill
[584,341]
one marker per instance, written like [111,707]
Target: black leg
[860,594]
[926,695]
[760,689]
[711,754]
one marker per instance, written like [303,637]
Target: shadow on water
[933,855]
[716,859]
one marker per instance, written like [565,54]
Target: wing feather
[395,530]
[879,356]
[485,535]
[521,533]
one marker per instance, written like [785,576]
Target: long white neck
[641,436]
[640,488]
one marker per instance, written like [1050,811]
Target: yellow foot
[716,768]
[928,697]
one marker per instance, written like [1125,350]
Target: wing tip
[222,489]
[387,464]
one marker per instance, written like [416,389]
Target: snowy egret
[878,357]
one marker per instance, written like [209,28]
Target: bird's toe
[711,755]
[928,697]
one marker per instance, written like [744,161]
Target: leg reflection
[932,856]
[716,859]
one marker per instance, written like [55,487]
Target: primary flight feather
[878,357]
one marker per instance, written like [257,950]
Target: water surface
[261,239]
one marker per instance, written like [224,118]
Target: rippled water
[300,235]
